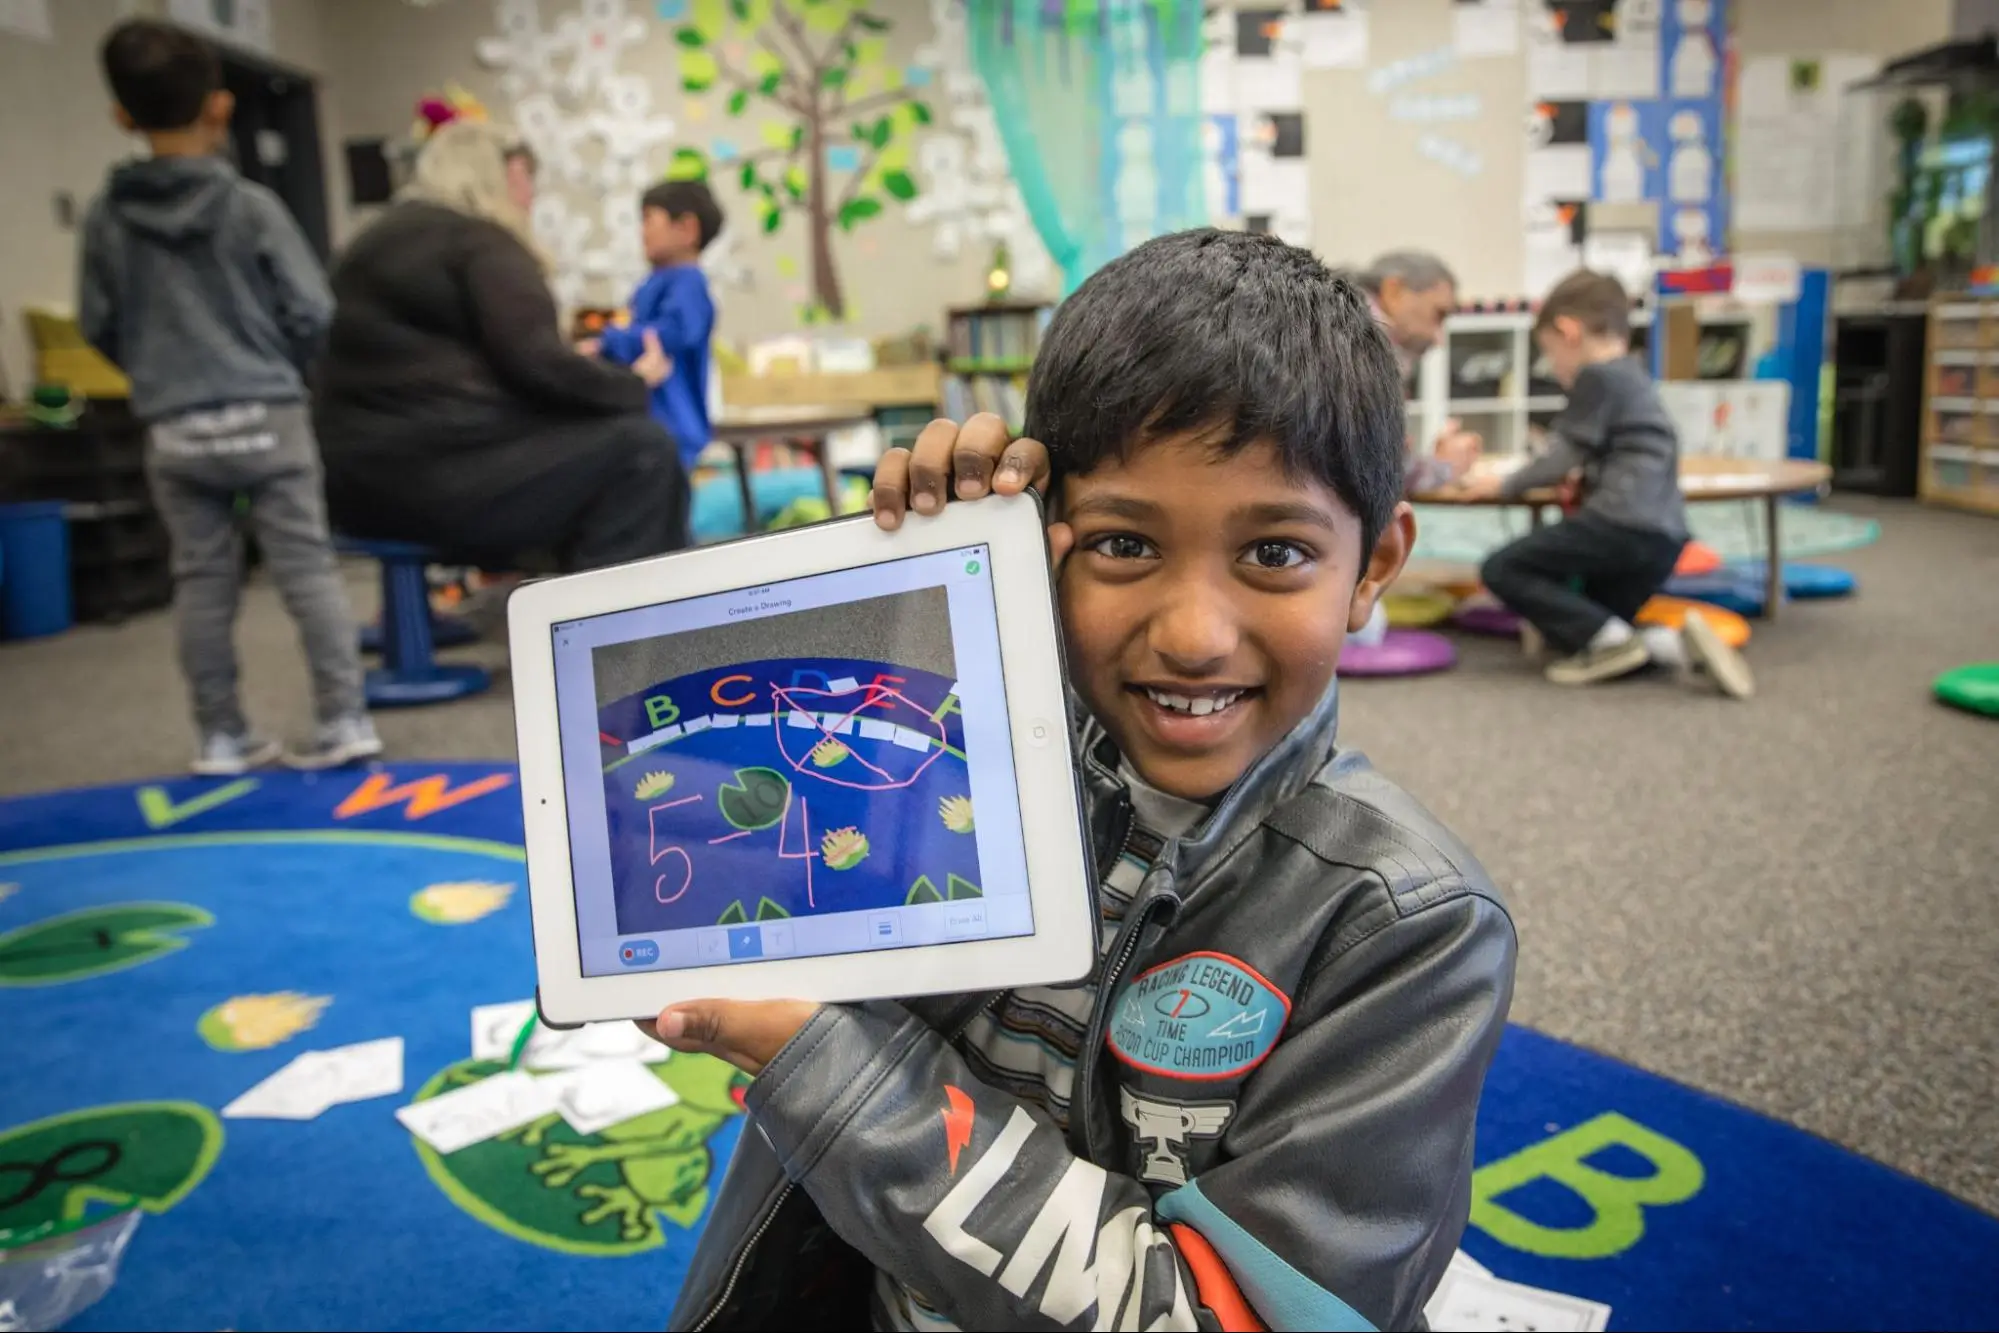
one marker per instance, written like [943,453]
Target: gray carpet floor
[1793,902]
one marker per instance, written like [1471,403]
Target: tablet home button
[1037,734]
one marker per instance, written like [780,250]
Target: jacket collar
[1283,771]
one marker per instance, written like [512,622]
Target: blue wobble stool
[1728,588]
[410,672]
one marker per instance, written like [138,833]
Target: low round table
[804,427]
[1702,479]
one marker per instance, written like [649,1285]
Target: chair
[410,672]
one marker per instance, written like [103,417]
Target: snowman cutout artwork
[1694,61]
[1624,156]
[1690,232]
[1691,171]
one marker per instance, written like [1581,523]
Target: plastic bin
[34,599]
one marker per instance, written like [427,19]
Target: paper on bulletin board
[1486,27]
[1267,64]
[1788,141]
[1625,255]
[1334,34]
[1556,70]
[26,18]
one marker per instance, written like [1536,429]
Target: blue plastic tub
[34,551]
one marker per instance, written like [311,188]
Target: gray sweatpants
[198,465]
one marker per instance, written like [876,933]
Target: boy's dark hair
[160,74]
[1596,301]
[1236,335]
[679,198]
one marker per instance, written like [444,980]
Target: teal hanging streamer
[1098,105]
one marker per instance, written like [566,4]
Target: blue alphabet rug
[165,948]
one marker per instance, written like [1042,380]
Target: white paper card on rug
[596,1097]
[496,1027]
[1334,38]
[26,18]
[315,1081]
[1485,28]
[479,1111]
[1468,1303]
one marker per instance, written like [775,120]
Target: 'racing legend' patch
[1203,1016]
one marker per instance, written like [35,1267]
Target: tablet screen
[819,766]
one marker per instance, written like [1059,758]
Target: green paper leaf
[773,218]
[688,164]
[794,182]
[748,176]
[899,184]
[690,36]
[698,71]
[737,101]
[741,9]
[878,135]
[857,211]
[770,83]
[764,62]
[871,22]
[834,77]
[919,112]
[797,136]
[775,133]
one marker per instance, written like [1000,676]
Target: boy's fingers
[1061,541]
[1023,465]
[891,490]
[930,466]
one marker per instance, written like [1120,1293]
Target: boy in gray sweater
[1582,581]
[200,286]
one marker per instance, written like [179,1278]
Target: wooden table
[1703,478]
[804,427]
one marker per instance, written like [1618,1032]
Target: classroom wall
[893,267]
[57,139]
[1371,191]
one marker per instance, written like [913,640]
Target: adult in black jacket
[450,410]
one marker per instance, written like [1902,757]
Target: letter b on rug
[1616,1201]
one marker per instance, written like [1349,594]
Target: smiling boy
[1258,1110]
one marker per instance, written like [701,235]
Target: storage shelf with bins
[1960,457]
[988,350]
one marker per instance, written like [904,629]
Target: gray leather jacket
[1272,1115]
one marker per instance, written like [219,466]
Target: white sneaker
[1722,663]
[225,756]
[345,740]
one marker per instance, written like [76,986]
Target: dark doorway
[275,138]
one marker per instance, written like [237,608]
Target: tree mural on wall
[834,118]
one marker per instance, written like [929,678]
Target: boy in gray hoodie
[200,286]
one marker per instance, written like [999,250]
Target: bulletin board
[1519,139]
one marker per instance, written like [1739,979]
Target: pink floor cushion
[1402,652]
[1487,618]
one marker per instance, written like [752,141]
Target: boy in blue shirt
[678,220]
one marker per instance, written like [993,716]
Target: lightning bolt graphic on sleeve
[957,1123]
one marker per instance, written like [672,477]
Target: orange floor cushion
[1697,559]
[1672,613]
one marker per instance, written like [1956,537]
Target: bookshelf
[1960,460]
[988,350]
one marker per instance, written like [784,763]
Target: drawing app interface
[819,766]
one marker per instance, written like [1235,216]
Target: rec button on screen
[638,953]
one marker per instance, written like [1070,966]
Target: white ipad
[830,764]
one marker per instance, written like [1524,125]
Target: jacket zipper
[1130,824]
